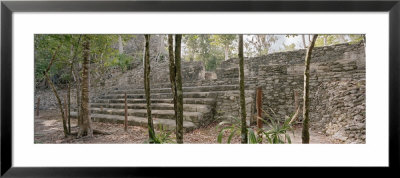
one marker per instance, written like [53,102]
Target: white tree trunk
[226,52]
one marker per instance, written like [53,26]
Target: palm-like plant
[163,136]
[276,133]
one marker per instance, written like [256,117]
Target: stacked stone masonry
[337,90]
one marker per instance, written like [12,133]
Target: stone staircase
[198,108]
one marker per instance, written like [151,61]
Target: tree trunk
[306,100]
[59,104]
[146,63]
[69,108]
[38,106]
[55,91]
[259,107]
[179,93]
[304,41]
[66,108]
[69,89]
[77,79]
[86,123]
[126,115]
[226,52]
[78,100]
[296,106]
[161,48]
[172,77]
[242,99]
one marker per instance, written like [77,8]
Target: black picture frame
[8,7]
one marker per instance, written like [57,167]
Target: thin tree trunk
[172,73]
[55,90]
[146,63]
[126,115]
[69,88]
[259,107]
[77,81]
[226,52]
[78,100]
[179,93]
[59,104]
[160,47]
[306,100]
[66,108]
[86,127]
[242,99]
[37,107]
[304,41]
[69,108]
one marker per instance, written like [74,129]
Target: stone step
[140,121]
[207,101]
[185,89]
[195,117]
[162,95]
[154,106]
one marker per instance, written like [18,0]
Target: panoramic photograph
[199,89]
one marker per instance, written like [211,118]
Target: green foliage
[123,61]
[163,136]
[276,133]
[45,46]
[221,40]
[327,40]
[210,49]
[234,128]
[356,38]
[289,47]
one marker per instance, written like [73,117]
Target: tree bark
[146,63]
[78,100]
[306,100]
[59,104]
[304,41]
[296,106]
[86,123]
[66,108]
[172,77]
[37,106]
[55,90]
[69,109]
[76,79]
[259,107]
[226,52]
[126,115]
[161,48]
[242,98]
[179,93]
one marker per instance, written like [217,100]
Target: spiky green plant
[161,137]
[276,133]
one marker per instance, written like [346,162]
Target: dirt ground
[48,129]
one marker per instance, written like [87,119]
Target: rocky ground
[48,129]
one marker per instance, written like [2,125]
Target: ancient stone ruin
[337,91]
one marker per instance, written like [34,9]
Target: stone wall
[337,86]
